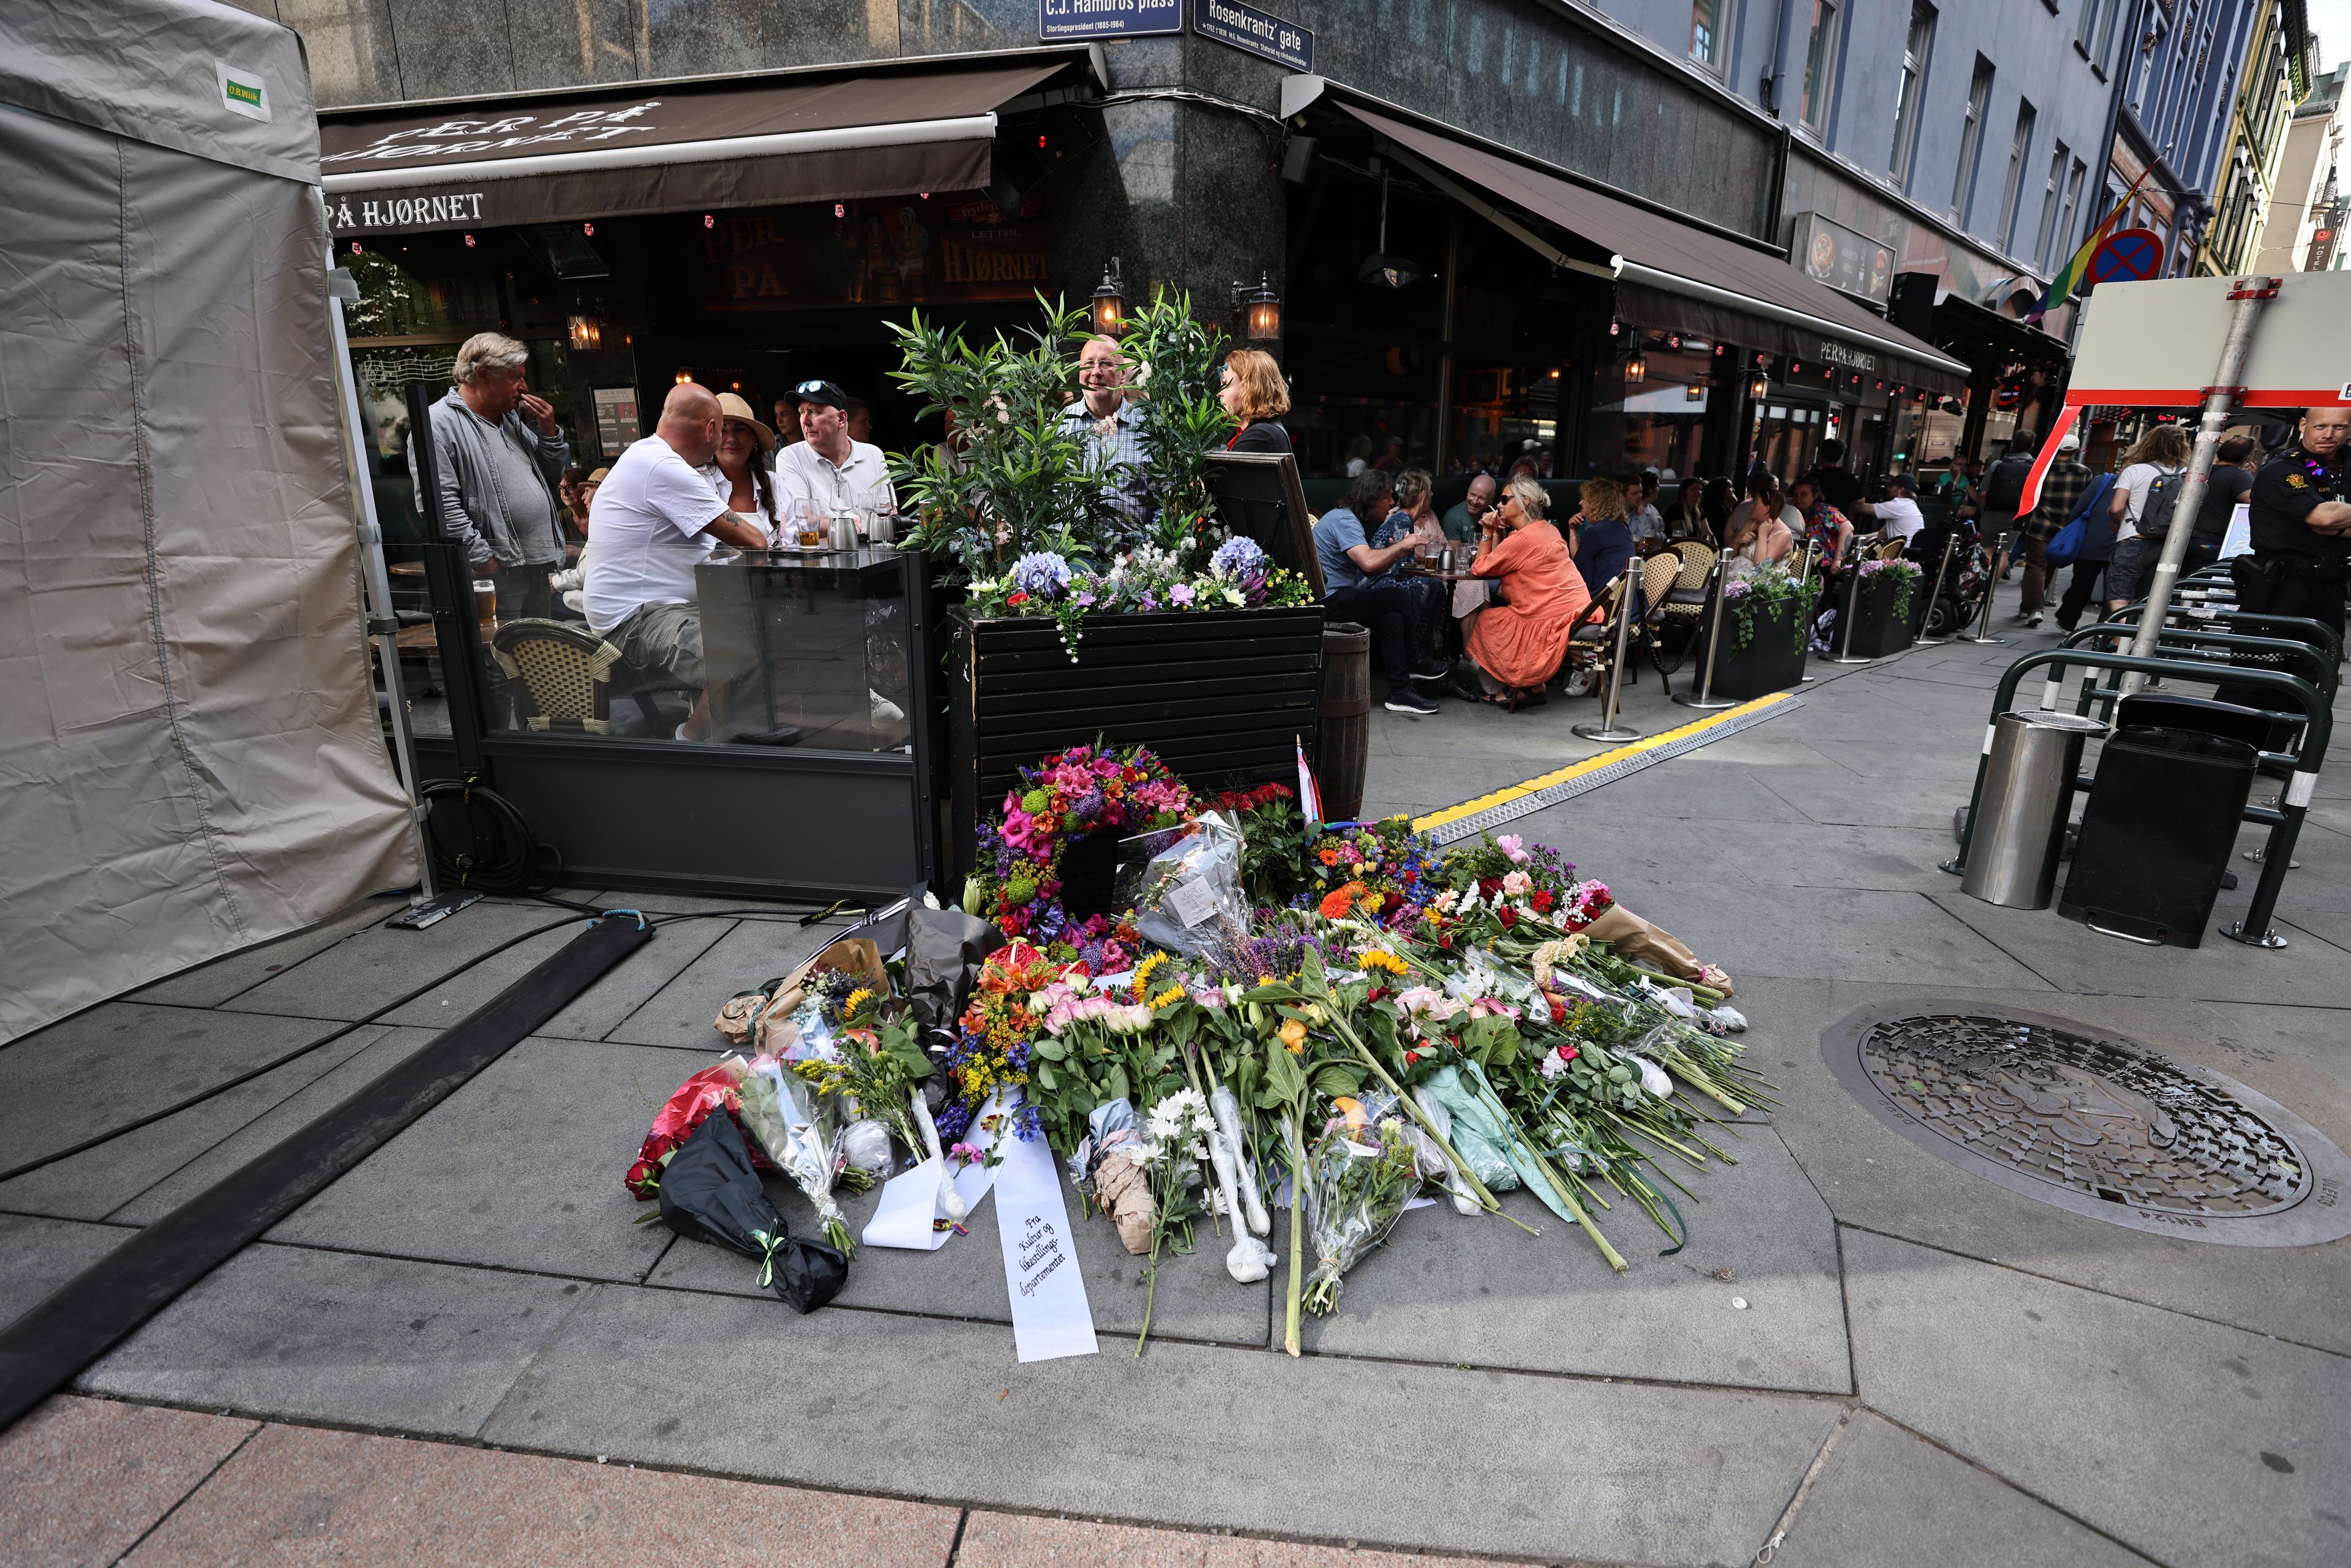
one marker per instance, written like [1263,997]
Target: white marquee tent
[189,754]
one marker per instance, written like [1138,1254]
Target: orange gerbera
[1329,857]
[1336,903]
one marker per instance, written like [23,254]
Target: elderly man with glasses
[499,459]
[1110,424]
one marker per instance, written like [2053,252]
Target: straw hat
[598,477]
[733,407]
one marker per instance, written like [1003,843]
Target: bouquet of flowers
[1017,882]
[1382,871]
[789,1116]
[718,1088]
[1358,1177]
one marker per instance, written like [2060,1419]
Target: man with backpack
[2002,491]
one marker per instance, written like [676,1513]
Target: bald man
[654,519]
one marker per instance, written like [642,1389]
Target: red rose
[1491,886]
[1558,1013]
[1569,1054]
[1412,1059]
[1506,916]
[1543,899]
[1445,941]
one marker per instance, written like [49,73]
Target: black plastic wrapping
[709,1193]
[945,948]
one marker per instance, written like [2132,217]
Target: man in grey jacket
[500,457]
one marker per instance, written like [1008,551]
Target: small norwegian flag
[1310,797]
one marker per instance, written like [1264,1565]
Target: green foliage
[1175,363]
[1017,483]
[1762,594]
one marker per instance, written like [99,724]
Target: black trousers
[2080,589]
[1386,609]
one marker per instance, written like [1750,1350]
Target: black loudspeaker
[1911,307]
[1297,159]
[2157,832]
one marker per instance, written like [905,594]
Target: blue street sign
[1060,20]
[1259,33]
[2128,255]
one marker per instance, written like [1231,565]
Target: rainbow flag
[2069,279]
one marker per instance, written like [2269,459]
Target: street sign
[2129,255]
[1258,32]
[1059,20]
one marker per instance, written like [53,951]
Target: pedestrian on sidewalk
[2161,453]
[2000,494]
[2231,484]
[2061,492]
[499,456]
[2097,550]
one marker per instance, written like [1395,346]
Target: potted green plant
[1882,604]
[1767,620]
[1078,619]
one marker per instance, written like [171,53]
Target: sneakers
[1410,702]
[2033,620]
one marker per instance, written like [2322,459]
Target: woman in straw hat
[739,470]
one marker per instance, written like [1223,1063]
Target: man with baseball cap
[2061,493]
[825,471]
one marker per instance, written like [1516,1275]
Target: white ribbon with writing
[1051,1316]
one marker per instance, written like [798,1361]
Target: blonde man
[1109,419]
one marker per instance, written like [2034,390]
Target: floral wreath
[1016,881]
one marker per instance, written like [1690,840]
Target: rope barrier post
[1845,618]
[1935,598]
[1991,584]
[1628,597]
[1704,697]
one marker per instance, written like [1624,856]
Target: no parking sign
[2128,255]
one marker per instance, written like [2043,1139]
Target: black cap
[824,393]
[1902,481]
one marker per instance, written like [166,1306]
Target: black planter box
[1222,697]
[1772,662]
[1876,630]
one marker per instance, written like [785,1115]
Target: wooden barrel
[1344,723]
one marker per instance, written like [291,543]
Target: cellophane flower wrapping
[1359,1175]
[787,1118]
[717,1088]
[1189,898]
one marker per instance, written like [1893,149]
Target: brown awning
[1673,275]
[662,150]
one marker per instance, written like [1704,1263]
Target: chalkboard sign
[1259,497]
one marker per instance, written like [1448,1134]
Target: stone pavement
[1928,1369]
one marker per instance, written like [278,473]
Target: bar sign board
[1258,32]
[1061,19]
[616,419]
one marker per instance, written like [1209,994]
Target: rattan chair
[561,676]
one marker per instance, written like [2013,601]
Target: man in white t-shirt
[826,471]
[654,520]
[1899,516]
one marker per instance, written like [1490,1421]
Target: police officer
[2302,525]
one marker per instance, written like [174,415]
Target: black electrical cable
[484,843]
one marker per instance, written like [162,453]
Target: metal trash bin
[2028,794]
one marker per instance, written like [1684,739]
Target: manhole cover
[2093,1123]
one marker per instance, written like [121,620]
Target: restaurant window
[1821,68]
[1963,179]
[2050,197]
[1656,418]
[1914,89]
[2011,195]
[1709,40]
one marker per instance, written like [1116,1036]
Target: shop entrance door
[1788,429]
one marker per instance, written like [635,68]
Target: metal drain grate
[2093,1123]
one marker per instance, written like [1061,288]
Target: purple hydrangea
[1040,574]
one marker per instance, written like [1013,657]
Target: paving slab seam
[2095,1291]
[1994,943]
[182,1500]
[954,1544]
[32,1214]
[380,1032]
[2015,1486]
[523,1373]
[966,1507]
[1551,1375]
[267,976]
[1781,1526]
[730,928]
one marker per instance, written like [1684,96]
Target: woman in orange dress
[1516,645]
